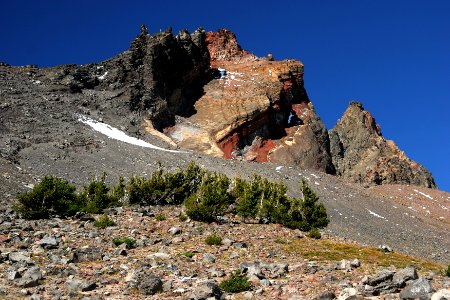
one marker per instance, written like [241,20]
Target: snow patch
[423,194]
[375,214]
[102,77]
[278,169]
[116,134]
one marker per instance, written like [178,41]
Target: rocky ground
[73,259]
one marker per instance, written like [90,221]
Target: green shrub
[214,239]
[97,195]
[210,200]
[314,233]
[165,187]
[247,196]
[447,272]
[188,254]
[160,217]
[314,214]
[104,221]
[124,240]
[183,218]
[51,196]
[237,283]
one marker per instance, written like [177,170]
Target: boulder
[206,290]
[146,282]
[420,288]
[443,294]
[402,276]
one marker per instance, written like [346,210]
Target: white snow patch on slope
[375,214]
[102,77]
[423,194]
[119,135]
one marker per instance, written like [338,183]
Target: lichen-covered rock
[361,154]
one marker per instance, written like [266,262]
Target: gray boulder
[443,294]
[30,278]
[206,290]
[48,242]
[382,276]
[146,282]
[420,288]
[21,257]
[87,254]
[401,277]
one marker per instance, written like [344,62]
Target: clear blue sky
[393,56]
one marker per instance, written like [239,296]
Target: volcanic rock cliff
[361,154]
[202,91]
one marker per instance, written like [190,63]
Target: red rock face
[246,112]
[223,46]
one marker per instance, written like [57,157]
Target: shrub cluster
[269,202]
[55,196]
[206,196]
[237,283]
[165,187]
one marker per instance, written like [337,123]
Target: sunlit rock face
[254,109]
[361,154]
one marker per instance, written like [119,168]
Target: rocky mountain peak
[361,153]
[223,46]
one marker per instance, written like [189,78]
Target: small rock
[265,282]
[355,263]
[160,255]
[206,290]
[385,248]
[174,230]
[443,294]
[329,295]
[347,294]
[420,288]
[240,245]
[252,269]
[209,258]
[167,286]
[216,273]
[48,242]
[227,242]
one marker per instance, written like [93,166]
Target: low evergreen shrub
[104,221]
[214,239]
[210,200]
[51,196]
[160,217]
[98,195]
[447,272]
[124,240]
[237,283]
[314,233]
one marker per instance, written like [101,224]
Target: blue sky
[393,56]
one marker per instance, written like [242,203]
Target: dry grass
[329,250]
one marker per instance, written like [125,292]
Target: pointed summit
[360,152]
